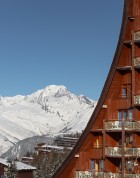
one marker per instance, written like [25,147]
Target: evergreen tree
[11,171]
[46,165]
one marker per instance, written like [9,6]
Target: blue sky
[62,42]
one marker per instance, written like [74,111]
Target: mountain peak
[51,110]
[54,90]
[55,87]
[47,92]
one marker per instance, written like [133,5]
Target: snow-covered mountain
[26,146]
[52,110]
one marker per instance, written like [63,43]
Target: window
[124,93]
[130,114]
[91,164]
[120,142]
[102,165]
[96,165]
[128,139]
[120,166]
[97,143]
[122,115]
[125,114]
[129,165]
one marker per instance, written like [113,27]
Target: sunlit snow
[48,111]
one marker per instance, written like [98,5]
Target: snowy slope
[51,110]
[27,145]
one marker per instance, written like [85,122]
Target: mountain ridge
[52,110]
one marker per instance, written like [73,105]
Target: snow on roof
[52,146]
[19,165]
[4,162]
[27,157]
[22,166]
[44,150]
[70,138]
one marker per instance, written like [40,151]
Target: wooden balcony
[89,174]
[117,175]
[84,174]
[137,100]
[112,175]
[113,125]
[94,174]
[132,152]
[117,152]
[137,62]
[137,37]
[113,151]
[132,175]
[117,125]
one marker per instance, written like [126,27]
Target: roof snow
[22,166]
[52,146]
[19,165]
[4,162]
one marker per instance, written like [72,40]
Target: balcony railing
[112,175]
[117,125]
[94,174]
[137,100]
[137,36]
[137,62]
[117,152]
[132,176]
[113,151]
[89,174]
[132,152]
[113,125]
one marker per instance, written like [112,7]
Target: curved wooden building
[110,145]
